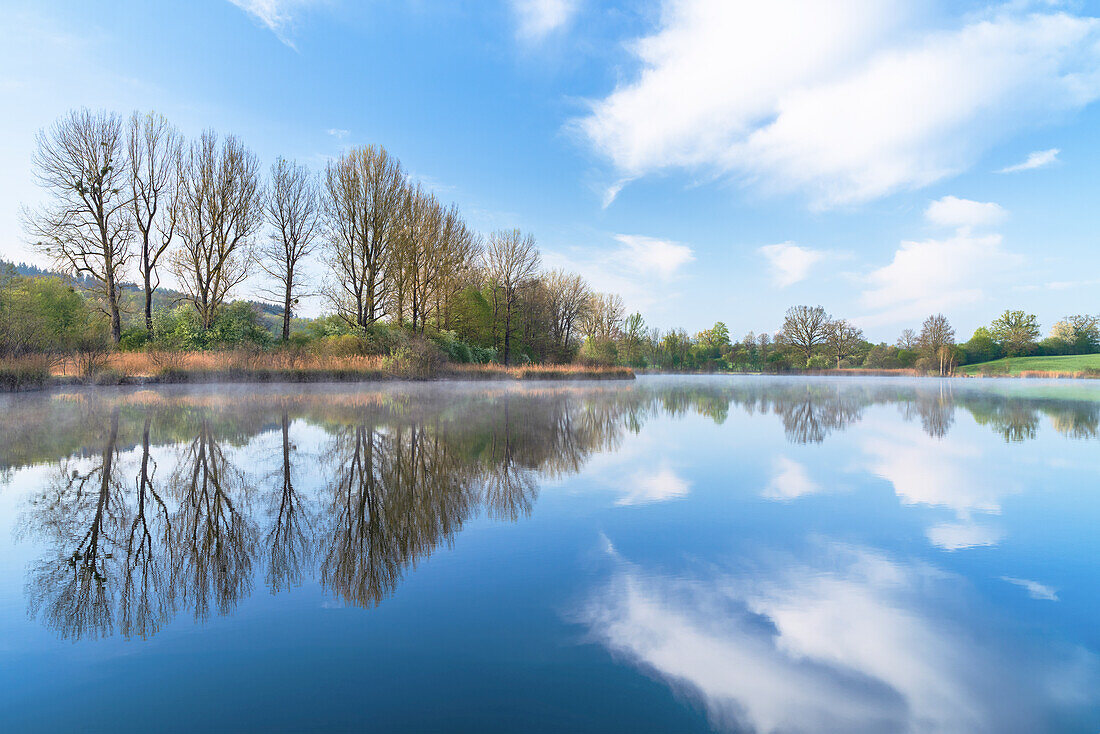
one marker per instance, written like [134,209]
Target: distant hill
[133,293]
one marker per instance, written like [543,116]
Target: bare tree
[155,148]
[221,208]
[293,213]
[843,339]
[805,327]
[513,261]
[936,336]
[569,297]
[361,201]
[603,317]
[418,257]
[908,340]
[86,228]
[461,249]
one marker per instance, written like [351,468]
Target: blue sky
[708,159]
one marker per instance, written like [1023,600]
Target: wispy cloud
[790,481]
[1034,589]
[637,268]
[276,15]
[338,133]
[1038,159]
[790,263]
[539,18]
[845,103]
[661,485]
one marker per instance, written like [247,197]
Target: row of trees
[812,339]
[133,197]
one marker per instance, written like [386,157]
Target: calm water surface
[667,555]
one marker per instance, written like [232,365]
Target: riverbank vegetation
[410,289]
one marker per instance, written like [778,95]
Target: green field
[1015,365]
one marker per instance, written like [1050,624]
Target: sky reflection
[782,555]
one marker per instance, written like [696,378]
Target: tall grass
[301,366]
[24,373]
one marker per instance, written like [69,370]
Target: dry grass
[23,373]
[290,366]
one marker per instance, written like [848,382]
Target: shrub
[133,339]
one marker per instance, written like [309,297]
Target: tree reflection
[289,542]
[403,472]
[213,541]
[147,599]
[78,514]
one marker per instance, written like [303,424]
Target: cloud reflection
[854,642]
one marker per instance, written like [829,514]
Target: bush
[820,362]
[133,339]
[598,353]
[236,325]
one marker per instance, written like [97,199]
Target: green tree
[1015,332]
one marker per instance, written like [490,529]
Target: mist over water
[670,554]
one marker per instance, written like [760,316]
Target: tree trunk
[148,302]
[286,311]
[112,308]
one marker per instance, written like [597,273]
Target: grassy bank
[1076,365]
[282,366]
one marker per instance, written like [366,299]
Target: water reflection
[400,475]
[848,639]
[167,502]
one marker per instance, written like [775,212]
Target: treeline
[131,198]
[811,339]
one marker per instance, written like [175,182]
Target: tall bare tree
[155,148]
[805,327]
[418,256]
[936,336]
[512,261]
[361,201]
[843,339]
[221,209]
[603,317]
[86,228]
[569,296]
[908,340]
[293,213]
[461,251]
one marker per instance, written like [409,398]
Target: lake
[672,554]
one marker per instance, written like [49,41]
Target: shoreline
[334,376]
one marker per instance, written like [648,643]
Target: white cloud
[639,268]
[790,481]
[935,275]
[939,274]
[852,641]
[790,263]
[539,18]
[845,102]
[1038,159]
[953,536]
[925,470]
[661,485]
[276,15]
[1034,589]
[338,133]
[662,258]
[956,213]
